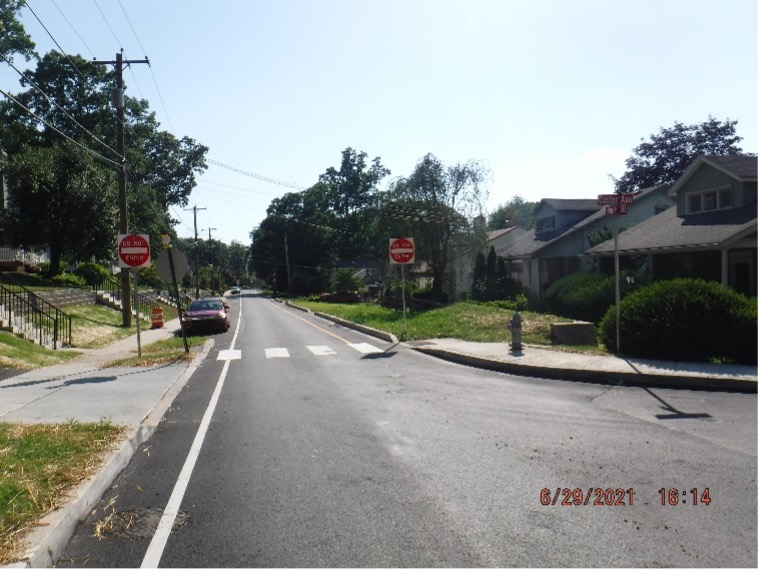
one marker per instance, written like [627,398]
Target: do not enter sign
[401,250]
[134,250]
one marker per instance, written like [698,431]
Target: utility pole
[118,102]
[209,233]
[287,263]
[195,210]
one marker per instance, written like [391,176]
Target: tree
[667,155]
[479,278]
[13,37]
[161,168]
[446,199]
[63,200]
[350,193]
[516,212]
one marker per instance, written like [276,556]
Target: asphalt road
[322,453]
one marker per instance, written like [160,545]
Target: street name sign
[401,250]
[133,250]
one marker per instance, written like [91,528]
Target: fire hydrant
[515,328]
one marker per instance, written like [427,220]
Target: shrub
[69,280]
[582,295]
[91,273]
[345,281]
[685,320]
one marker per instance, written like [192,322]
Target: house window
[708,200]
[658,208]
[547,223]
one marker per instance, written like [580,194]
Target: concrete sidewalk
[538,362]
[133,397]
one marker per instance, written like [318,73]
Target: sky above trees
[552,96]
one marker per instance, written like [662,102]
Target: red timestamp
[593,496]
[678,497]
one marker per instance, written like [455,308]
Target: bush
[92,274]
[582,295]
[685,320]
[69,280]
[345,281]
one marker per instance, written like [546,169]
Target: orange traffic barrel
[156,318]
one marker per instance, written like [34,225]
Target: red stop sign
[402,250]
[134,250]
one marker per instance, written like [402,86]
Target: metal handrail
[112,287]
[29,309]
[34,323]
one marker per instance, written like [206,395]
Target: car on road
[234,290]
[206,314]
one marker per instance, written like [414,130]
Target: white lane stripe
[229,355]
[320,350]
[276,352]
[161,536]
[365,348]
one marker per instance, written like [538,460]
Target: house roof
[564,204]
[526,244]
[668,231]
[741,167]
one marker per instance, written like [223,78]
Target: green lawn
[468,321]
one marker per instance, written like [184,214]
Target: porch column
[724,266]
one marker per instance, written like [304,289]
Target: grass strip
[467,321]
[38,464]
[161,352]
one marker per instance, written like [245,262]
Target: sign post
[165,240]
[616,205]
[134,252]
[401,251]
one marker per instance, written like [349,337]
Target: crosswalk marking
[276,352]
[320,350]
[365,348]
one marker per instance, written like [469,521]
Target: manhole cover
[135,524]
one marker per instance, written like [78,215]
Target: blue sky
[551,95]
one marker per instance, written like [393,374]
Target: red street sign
[615,209]
[619,198]
[134,250]
[401,250]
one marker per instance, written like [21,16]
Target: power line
[74,29]
[92,135]
[254,175]
[107,22]
[77,143]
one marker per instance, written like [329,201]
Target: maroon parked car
[206,314]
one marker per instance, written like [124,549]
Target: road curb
[385,336]
[585,375]
[56,529]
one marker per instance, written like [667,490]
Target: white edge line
[161,536]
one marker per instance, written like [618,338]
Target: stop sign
[401,250]
[134,250]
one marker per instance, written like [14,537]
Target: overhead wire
[54,128]
[87,131]
[150,67]
[74,29]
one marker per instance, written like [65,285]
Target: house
[710,234]
[565,229]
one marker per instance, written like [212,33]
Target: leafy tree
[516,212]
[667,154]
[350,192]
[13,37]
[57,191]
[345,281]
[446,198]
[161,168]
